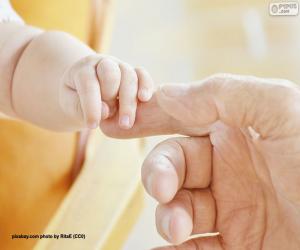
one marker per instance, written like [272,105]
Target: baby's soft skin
[55,81]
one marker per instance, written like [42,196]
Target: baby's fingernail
[125,121]
[144,95]
[165,225]
[174,90]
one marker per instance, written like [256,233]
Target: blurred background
[185,40]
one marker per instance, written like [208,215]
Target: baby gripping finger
[109,75]
[145,84]
[127,96]
[82,79]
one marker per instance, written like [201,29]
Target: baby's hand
[96,87]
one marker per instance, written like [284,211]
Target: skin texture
[55,81]
[237,170]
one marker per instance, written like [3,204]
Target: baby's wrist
[43,65]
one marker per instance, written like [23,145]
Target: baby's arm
[32,63]
[55,81]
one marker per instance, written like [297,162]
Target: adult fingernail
[174,90]
[165,225]
[93,125]
[149,184]
[125,121]
[144,95]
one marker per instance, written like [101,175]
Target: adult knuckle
[219,81]
[171,144]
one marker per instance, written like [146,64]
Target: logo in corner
[284,8]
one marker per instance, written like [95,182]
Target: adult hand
[237,172]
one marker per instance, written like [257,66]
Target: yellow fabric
[71,16]
[34,179]
[109,194]
[35,163]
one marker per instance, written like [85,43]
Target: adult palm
[238,170]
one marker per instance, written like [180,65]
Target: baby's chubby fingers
[146,84]
[118,80]
[98,86]
[80,96]
[127,96]
[109,75]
